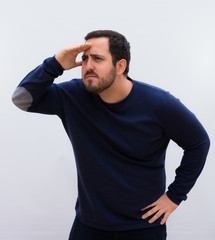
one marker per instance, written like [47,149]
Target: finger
[150,212]
[155,217]
[82,47]
[164,219]
[149,206]
[78,63]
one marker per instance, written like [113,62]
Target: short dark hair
[119,47]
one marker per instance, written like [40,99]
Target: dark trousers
[82,232]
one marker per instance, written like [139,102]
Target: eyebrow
[92,55]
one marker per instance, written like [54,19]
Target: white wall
[172,47]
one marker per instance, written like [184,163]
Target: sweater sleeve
[36,92]
[183,127]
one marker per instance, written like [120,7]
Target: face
[98,71]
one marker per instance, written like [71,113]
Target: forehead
[99,46]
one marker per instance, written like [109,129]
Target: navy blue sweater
[119,148]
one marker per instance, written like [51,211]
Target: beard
[103,83]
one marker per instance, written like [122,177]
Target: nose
[89,65]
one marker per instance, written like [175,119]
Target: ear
[121,66]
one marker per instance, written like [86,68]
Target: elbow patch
[22,98]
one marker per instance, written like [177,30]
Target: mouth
[90,76]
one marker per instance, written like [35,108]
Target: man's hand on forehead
[83,47]
[67,56]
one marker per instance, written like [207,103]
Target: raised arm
[38,84]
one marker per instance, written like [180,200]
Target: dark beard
[103,84]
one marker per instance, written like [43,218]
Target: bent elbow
[22,98]
[207,142]
[205,146]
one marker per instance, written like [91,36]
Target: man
[120,129]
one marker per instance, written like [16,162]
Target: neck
[119,90]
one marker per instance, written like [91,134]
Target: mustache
[91,73]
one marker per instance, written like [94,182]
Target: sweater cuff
[173,198]
[57,64]
[53,67]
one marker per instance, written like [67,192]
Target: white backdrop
[173,47]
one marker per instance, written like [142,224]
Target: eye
[84,58]
[97,58]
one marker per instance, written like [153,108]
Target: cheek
[83,71]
